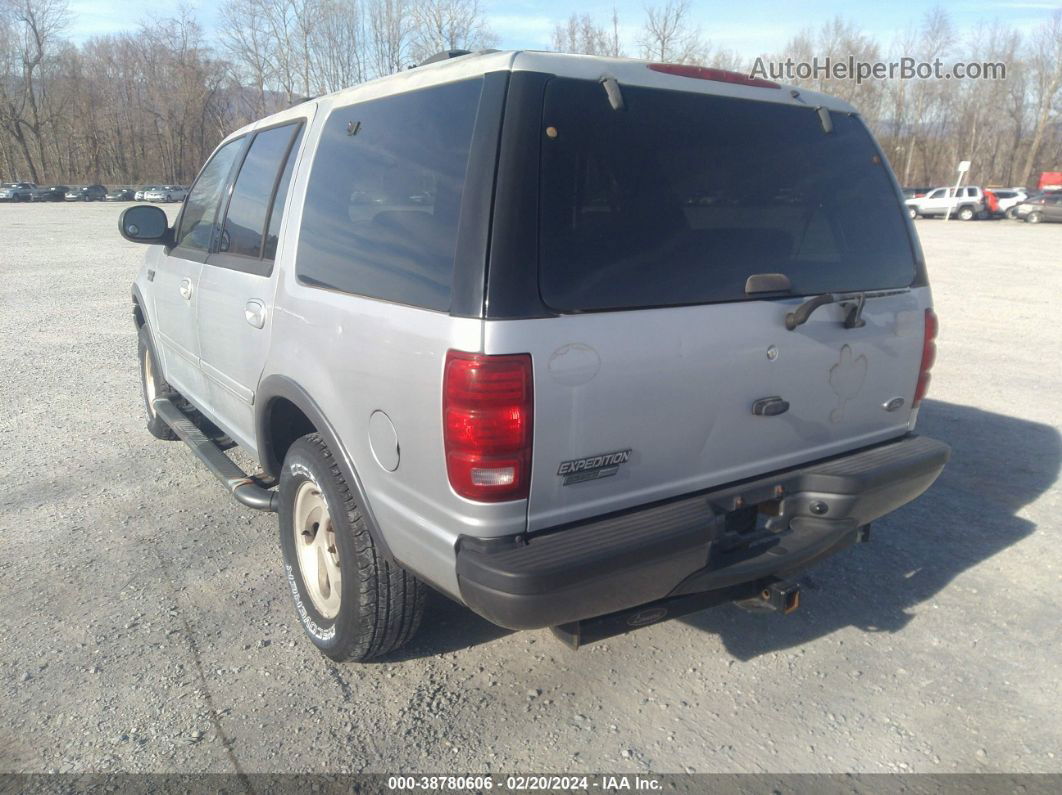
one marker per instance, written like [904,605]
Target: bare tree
[245,36]
[338,48]
[449,25]
[150,105]
[580,34]
[390,36]
[1046,74]
[668,34]
[30,29]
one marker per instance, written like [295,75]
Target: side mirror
[145,224]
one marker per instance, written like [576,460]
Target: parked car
[17,191]
[1009,199]
[965,203]
[87,193]
[120,195]
[491,396]
[1040,207]
[915,193]
[51,193]
[139,196]
[166,193]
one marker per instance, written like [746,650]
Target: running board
[239,483]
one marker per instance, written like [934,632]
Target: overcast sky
[751,27]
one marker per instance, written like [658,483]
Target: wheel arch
[139,316]
[284,411]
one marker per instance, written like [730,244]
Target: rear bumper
[674,548]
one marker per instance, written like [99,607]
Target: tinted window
[247,215]
[197,220]
[680,198]
[276,213]
[382,206]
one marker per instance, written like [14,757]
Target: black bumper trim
[641,555]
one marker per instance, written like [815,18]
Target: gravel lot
[145,624]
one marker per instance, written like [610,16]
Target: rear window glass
[681,197]
[384,197]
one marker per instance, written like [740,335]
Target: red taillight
[929,355]
[707,73]
[487,420]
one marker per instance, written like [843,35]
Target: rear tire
[1034,218]
[352,603]
[1012,213]
[966,213]
[152,386]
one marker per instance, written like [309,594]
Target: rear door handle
[185,289]
[255,313]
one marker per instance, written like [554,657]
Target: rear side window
[681,197]
[249,208]
[383,203]
[200,209]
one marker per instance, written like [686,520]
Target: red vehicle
[1050,181]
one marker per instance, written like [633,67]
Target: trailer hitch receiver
[781,596]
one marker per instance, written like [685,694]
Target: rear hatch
[651,220]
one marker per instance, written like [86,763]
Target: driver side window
[200,208]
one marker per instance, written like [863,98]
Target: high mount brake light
[929,355]
[487,422]
[707,73]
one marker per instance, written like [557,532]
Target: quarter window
[384,196]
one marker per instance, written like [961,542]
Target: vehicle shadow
[447,627]
[999,464]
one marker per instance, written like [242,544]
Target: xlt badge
[592,467]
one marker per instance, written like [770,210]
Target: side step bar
[239,483]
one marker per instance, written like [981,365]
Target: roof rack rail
[444,55]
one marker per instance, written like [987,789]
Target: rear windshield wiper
[853,315]
[779,283]
[800,315]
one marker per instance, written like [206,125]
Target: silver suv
[582,343]
[965,203]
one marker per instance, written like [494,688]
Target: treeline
[150,105]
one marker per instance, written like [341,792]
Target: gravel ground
[146,627]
